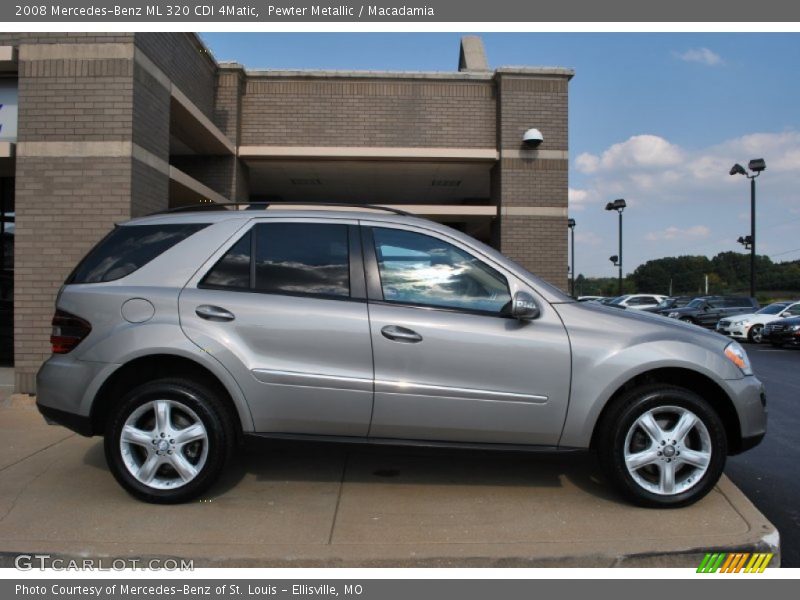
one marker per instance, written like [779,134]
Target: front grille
[777,328]
[724,323]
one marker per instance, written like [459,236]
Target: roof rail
[266,205]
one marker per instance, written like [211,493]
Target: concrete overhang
[8,59]
[195,129]
[184,189]
[367,153]
[401,182]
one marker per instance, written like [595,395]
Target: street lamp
[757,165]
[746,241]
[618,205]
[571,225]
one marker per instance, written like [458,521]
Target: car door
[712,312]
[449,364]
[283,308]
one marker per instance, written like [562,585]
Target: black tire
[754,335]
[206,406]
[620,418]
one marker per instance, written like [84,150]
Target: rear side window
[129,248]
[233,269]
[304,259]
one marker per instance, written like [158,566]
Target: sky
[657,119]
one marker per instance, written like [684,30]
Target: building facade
[98,128]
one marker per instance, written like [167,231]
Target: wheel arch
[156,366]
[691,380]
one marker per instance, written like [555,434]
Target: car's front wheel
[755,335]
[662,446]
[168,440]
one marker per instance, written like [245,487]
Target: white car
[750,327]
[637,301]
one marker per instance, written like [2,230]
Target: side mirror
[524,307]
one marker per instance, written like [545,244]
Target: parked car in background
[590,298]
[669,303]
[750,326]
[708,310]
[636,301]
[782,332]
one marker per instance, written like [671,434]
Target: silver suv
[180,333]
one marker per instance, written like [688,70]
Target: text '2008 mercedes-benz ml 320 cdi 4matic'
[181,332]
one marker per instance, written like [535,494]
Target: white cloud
[694,232]
[647,151]
[577,198]
[648,169]
[704,56]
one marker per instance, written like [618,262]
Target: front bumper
[734,330]
[788,338]
[750,401]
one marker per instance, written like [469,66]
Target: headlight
[736,354]
[673,315]
[794,328]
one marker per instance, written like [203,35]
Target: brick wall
[223,174]
[64,205]
[523,182]
[186,62]
[334,111]
[150,115]
[539,244]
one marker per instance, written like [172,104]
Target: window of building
[421,270]
[129,248]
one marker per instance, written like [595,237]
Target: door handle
[401,334]
[213,313]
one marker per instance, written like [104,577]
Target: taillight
[68,332]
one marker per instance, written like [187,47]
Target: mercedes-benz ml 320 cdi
[182,332]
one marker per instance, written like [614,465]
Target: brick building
[112,126]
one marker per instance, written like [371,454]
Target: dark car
[668,304]
[785,332]
[707,310]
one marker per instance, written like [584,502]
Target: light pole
[618,205]
[571,225]
[757,165]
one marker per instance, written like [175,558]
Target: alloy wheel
[667,450]
[164,444]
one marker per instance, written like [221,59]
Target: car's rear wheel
[755,335]
[662,446]
[169,440]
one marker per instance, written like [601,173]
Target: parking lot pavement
[768,473]
[292,504]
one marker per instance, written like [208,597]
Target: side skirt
[368,441]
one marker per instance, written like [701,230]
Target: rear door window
[128,248]
[307,259]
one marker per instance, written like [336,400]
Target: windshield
[696,303]
[617,300]
[666,303]
[773,309]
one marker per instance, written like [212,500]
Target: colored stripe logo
[737,562]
